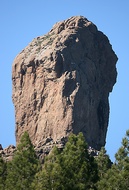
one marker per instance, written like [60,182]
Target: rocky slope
[61,84]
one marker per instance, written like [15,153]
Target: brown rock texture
[61,84]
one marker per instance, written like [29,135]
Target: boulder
[7,153]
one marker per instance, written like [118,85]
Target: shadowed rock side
[61,84]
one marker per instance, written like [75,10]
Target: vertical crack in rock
[61,84]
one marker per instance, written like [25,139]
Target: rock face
[61,84]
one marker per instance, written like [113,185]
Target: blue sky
[21,21]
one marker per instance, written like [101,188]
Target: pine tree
[122,161]
[49,177]
[71,169]
[23,167]
[103,161]
[117,178]
[110,180]
[79,169]
[3,173]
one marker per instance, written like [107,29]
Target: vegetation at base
[117,177]
[72,168]
[3,173]
[22,169]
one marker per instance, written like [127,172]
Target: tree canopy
[117,177]
[22,169]
[70,168]
[73,168]
[3,173]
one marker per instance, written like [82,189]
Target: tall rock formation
[61,84]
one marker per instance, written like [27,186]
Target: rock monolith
[61,84]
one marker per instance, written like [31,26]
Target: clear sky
[23,20]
